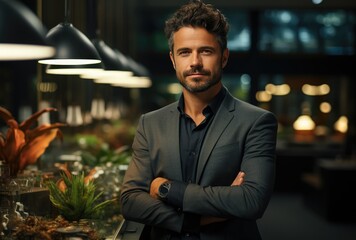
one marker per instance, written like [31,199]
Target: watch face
[164,189]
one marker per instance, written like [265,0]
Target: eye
[207,51]
[183,53]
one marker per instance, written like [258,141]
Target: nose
[196,60]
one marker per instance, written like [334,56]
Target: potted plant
[75,196]
[23,145]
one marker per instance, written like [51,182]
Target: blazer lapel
[171,143]
[220,122]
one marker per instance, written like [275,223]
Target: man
[202,167]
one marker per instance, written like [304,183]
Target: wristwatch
[163,190]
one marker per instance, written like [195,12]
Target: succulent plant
[75,196]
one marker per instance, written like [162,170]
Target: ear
[225,57]
[172,59]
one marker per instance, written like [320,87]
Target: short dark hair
[198,14]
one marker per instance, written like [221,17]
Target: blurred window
[326,32]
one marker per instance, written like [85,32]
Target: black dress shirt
[191,139]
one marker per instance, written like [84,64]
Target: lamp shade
[22,35]
[74,69]
[73,47]
[138,69]
[114,65]
[109,57]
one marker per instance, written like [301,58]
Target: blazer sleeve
[249,200]
[136,203]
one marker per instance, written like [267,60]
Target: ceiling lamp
[341,125]
[132,82]
[73,47]
[304,123]
[22,35]
[115,65]
[74,69]
[110,58]
[138,79]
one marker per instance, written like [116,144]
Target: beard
[199,84]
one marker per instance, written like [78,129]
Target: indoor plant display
[75,196]
[23,145]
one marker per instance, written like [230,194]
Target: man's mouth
[196,74]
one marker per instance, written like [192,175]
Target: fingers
[239,179]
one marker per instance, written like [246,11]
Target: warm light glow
[324,89]
[72,71]
[74,115]
[112,111]
[174,88]
[321,131]
[120,79]
[133,82]
[279,90]
[11,52]
[98,108]
[341,124]
[55,61]
[325,107]
[113,74]
[312,90]
[263,96]
[47,87]
[304,122]
[113,79]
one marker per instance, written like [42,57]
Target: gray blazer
[241,137]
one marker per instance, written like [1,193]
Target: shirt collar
[213,106]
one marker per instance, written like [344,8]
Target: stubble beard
[197,84]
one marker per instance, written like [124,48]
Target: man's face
[197,58]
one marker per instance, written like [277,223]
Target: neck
[194,103]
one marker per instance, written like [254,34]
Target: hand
[155,186]
[239,179]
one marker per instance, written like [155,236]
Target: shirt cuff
[176,194]
[191,222]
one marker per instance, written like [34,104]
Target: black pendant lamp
[73,47]
[140,78]
[22,35]
[74,69]
[114,66]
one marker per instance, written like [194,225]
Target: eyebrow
[200,48]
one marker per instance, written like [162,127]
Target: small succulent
[23,145]
[75,196]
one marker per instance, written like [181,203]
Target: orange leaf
[5,114]
[90,176]
[40,130]
[64,168]
[35,147]
[25,125]
[61,185]
[15,140]
[2,140]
